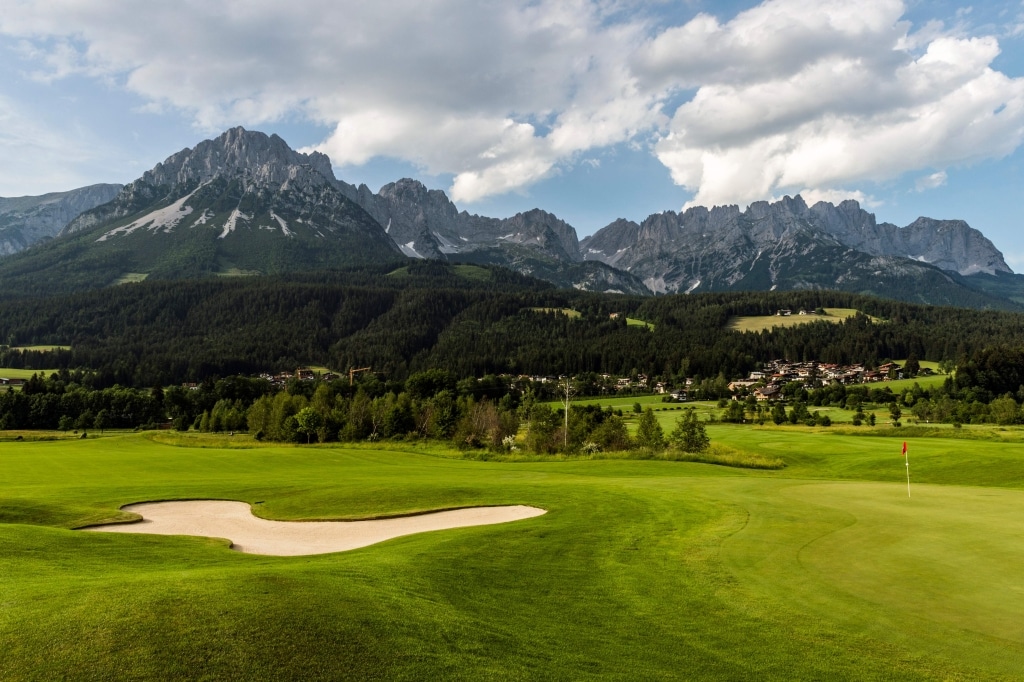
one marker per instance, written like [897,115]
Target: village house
[742,383]
[769,392]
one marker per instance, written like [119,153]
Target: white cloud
[836,196]
[789,95]
[932,181]
[454,86]
[830,96]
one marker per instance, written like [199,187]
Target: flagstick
[908,473]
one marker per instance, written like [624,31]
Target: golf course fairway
[640,569]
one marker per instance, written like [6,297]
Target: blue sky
[591,109]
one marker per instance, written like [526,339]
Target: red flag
[904,447]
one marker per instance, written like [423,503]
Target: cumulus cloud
[496,93]
[813,195]
[790,95]
[844,99]
[932,181]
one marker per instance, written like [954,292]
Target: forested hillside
[469,320]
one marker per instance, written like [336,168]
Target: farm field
[639,570]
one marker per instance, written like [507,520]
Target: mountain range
[27,220]
[246,203]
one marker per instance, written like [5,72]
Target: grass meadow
[639,570]
[761,323]
[9,373]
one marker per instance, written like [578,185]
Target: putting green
[939,571]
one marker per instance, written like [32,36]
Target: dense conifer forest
[468,320]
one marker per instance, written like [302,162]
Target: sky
[591,109]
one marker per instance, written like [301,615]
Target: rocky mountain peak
[952,245]
[259,162]
[266,159]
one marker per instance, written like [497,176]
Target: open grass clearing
[898,385]
[238,272]
[568,312]
[130,278]
[760,323]
[472,272]
[640,569]
[9,373]
[633,322]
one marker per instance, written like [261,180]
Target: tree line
[435,405]
[431,315]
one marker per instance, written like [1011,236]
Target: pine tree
[649,435]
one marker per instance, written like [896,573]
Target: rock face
[787,245]
[243,203]
[424,223]
[948,244]
[27,220]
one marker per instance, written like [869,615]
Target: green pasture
[640,569]
[568,312]
[24,373]
[472,272]
[42,347]
[925,364]
[761,323]
[897,385]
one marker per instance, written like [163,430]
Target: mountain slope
[948,244]
[787,245]
[244,203]
[27,220]
[426,224]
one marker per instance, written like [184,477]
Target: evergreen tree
[690,435]
[649,435]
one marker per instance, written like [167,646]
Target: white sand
[235,521]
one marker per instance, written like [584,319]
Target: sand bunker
[234,521]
